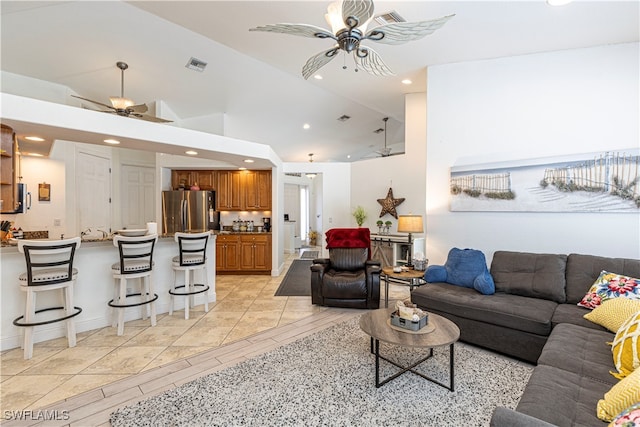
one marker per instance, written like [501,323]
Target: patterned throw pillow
[613,313]
[622,395]
[630,417]
[610,285]
[626,347]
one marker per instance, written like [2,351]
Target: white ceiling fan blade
[362,10]
[373,63]
[140,108]
[403,32]
[94,102]
[151,118]
[318,61]
[302,30]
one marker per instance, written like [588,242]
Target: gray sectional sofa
[534,316]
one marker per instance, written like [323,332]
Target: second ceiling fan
[124,106]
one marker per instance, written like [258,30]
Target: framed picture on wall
[44,192]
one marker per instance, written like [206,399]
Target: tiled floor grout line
[97,410]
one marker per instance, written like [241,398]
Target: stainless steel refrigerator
[189,211]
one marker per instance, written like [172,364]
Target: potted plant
[387,226]
[360,215]
[379,223]
[313,237]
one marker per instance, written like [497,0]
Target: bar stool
[136,262]
[49,268]
[192,257]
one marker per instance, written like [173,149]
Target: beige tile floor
[245,313]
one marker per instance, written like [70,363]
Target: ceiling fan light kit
[123,106]
[350,29]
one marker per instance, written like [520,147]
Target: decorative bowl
[133,232]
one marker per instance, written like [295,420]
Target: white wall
[405,173]
[542,105]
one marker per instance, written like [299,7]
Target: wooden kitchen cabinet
[257,190]
[229,191]
[182,179]
[227,253]
[255,252]
[8,169]
[206,179]
[236,190]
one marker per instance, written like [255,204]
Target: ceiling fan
[124,106]
[385,151]
[350,29]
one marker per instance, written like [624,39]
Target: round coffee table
[375,324]
[411,278]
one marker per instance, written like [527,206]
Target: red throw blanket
[349,238]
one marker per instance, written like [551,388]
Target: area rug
[328,379]
[310,254]
[297,281]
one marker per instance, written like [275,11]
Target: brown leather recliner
[348,278]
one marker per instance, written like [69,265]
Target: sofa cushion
[580,350]
[622,395]
[530,275]
[562,398]
[583,270]
[512,311]
[610,285]
[613,313]
[571,313]
[626,346]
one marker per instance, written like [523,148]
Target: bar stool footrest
[205,289]
[77,311]
[112,304]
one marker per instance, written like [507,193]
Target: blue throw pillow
[464,267]
[435,273]
[484,284]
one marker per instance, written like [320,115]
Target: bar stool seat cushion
[47,275]
[187,259]
[130,265]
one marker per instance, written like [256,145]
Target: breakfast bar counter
[93,289]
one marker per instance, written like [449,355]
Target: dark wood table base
[375,349]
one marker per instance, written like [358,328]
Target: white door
[138,196]
[93,186]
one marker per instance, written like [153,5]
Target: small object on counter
[195,187]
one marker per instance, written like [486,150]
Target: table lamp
[410,224]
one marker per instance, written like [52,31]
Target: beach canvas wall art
[592,182]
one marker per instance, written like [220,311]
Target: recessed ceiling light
[317,77]
[34,138]
[191,152]
[242,168]
[248,160]
[112,141]
[306,126]
[406,82]
[558,2]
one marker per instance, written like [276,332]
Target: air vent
[297,174]
[196,64]
[389,18]
[344,118]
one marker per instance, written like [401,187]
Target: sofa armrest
[504,417]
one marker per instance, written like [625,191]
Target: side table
[412,278]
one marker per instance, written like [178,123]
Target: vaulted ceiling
[253,84]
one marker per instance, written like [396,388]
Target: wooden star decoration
[389,204]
